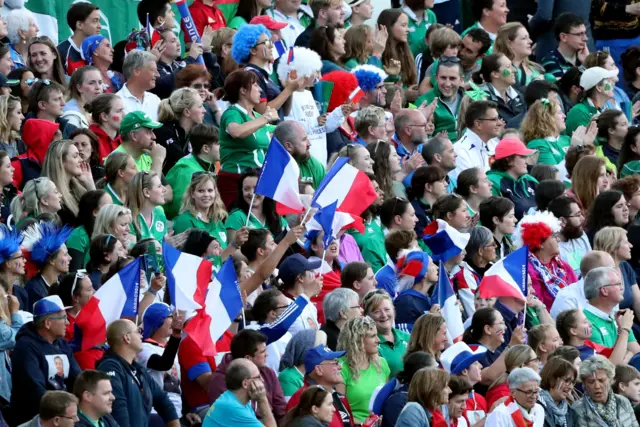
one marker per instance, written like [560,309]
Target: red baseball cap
[268,22]
[511,147]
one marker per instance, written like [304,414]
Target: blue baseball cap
[154,316]
[48,305]
[295,265]
[319,354]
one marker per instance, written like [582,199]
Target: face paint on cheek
[116,118]
[607,87]
[506,72]
[264,51]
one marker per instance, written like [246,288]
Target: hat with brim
[355,3]
[137,120]
[319,354]
[154,316]
[512,147]
[295,265]
[48,305]
[594,75]
[269,22]
[6,82]
[460,356]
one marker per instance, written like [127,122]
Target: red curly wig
[534,234]
[343,84]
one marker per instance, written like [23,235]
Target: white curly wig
[534,229]
[305,61]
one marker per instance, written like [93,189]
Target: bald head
[117,330]
[595,259]
[239,370]
[404,118]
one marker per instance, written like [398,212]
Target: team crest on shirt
[223,236]
[159,226]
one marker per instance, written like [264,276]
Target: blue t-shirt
[628,279]
[228,411]
[386,278]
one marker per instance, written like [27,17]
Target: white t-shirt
[305,111]
[307,320]
[168,380]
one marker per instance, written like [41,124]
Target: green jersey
[156,229]
[79,241]
[240,154]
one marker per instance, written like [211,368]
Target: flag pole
[244,319]
[249,211]
[306,214]
[524,318]
[322,263]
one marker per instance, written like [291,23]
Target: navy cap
[5,82]
[48,305]
[154,316]
[319,354]
[295,265]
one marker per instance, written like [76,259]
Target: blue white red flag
[507,277]
[187,278]
[449,308]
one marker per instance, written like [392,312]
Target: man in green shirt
[604,290]
[95,399]
[293,138]
[139,141]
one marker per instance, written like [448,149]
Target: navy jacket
[36,290]
[136,393]
[36,364]
[106,421]
[410,305]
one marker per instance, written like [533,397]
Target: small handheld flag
[321,92]
[280,49]
[290,57]
[507,277]
[356,95]
[449,309]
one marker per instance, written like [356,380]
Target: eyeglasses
[619,285]
[582,34]
[266,43]
[30,82]
[61,317]
[200,173]
[80,274]
[199,86]
[424,126]
[449,60]
[576,215]
[529,393]
[16,257]
[333,362]
[73,418]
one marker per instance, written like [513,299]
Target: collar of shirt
[127,94]
[491,35]
[73,45]
[597,312]
[279,16]
[474,140]
[241,108]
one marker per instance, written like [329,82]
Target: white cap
[594,75]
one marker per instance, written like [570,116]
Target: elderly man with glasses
[520,408]
[40,346]
[57,409]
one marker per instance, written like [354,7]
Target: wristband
[628,330]
[152,291]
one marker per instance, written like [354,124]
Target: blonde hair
[442,39]
[173,107]
[423,335]
[514,357]
[28,203]
[537,335]
[373,299]
[355,43]
[506,34]
[608,239]
[107,215]
[217,211]
[70,188]
[8,103]
[540,121]
[584,179]
[351,340]
[135,195]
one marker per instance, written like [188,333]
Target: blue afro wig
[369,76]
[245,39]
[10,241]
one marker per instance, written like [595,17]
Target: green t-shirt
[394,352]
[237,219]
[418,30]
[238,155]
[113,194]
[79,240]
[359,391]
[552,150]
[237,22]
[630,168]
[143,163]
[216,229]
[371,244]
[158,227]
[291,379]
[604,329]
[580,115]
[312,169]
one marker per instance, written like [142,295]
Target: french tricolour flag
[279,179]
[507,277]
[350,187]
[117,298]
[449,308]
[187,278]
[331,222]
[444,241]
[280,49]
[356,95]
[222,305]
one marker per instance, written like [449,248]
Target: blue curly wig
[10,241]
[43,240]
[245,39]
[368,76]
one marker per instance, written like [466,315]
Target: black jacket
[106,421]
[174,138]
[305,36]
[35,364]
[135,391]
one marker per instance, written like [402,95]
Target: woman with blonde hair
[178,114]
[429,334]
[84,86]
[115,220]
[11,119]
[514,42]
[614,241]
[39,196]
[544,339]
[517,356]
[363,45]
[428,391]
[378,305]
[221,46]
[588,179]
[73,178]
[43,58]
[119,170]
[362,367]
[145,198]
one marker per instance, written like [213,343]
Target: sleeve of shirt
[230,116]
[545,157]
[192,360]
[576,117]
[551,67]
[274,331]
[235,221]
[412,416]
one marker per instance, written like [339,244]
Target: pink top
[540,288]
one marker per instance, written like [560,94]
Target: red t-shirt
[204,16]
[496,393]
[476,409]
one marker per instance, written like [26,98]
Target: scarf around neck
[559,412]
[554,276]
[607,411]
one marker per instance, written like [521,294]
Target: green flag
[322,94]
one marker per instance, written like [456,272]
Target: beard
[571,231]
[301,157]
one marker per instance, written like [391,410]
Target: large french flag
[350,187]
[507,277]
[449,308]
[223,303]
[117,298]
[187,278]
[444,241]
[330,221]
[279,179]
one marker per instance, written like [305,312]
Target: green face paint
[607,87]
[506,72]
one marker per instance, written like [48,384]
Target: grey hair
[17,19]
[285,131]
[432,147]
[590,366]
[338,301]
[134,60]
[522,375]
[595,280]
[480,238]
